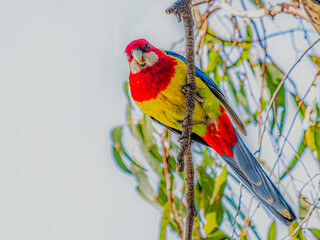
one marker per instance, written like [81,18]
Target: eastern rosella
[157,79]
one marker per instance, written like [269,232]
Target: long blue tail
[250,172]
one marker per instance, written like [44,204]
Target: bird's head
[141,54]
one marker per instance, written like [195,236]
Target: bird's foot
[187,88]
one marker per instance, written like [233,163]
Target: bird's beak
[137,55]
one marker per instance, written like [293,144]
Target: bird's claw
[198,98]
[189,87]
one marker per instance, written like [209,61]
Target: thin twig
[200,2]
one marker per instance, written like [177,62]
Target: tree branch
[182,9]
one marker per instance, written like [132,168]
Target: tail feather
[252,175]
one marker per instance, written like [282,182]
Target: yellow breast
[168,107]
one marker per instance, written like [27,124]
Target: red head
[150,70]
[141,54]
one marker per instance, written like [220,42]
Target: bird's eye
[146,47]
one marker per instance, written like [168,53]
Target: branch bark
[182,10]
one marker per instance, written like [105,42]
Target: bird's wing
[215,90]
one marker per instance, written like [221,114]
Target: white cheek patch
[149,59]
[134,66]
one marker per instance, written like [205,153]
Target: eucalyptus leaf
[164,221]
[272,234]
[316,232]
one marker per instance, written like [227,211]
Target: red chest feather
[147,83]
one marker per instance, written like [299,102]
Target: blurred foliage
[252,80]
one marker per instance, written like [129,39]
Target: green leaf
[272,235]
[118,148]
[144,131]
[162,194]
[304,207]
[174,226]
[119,152]
[256,3]
[153,157]
[126,88]
[317,137]
[299,234]
[215,212]
[220,185]
[207,158]
[316,60]
[216,234]
[310,139]
[212,222]
[249,34]
[164,221]
[205,181]
[118,159]
[147,130]
[214,60]
[144,186]
[316,232]
[116,135]
[273,77]
[303,106]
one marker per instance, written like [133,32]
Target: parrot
[158,82]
